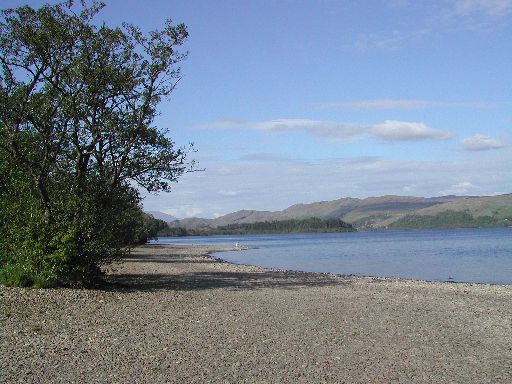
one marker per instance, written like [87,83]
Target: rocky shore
[172,314]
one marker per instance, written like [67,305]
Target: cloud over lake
[389,130]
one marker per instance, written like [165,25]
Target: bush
[89,229]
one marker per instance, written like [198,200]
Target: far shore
[175,314]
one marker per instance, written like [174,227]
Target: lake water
[482,255]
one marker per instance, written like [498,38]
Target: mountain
[192,222]
[363,212]
[496,206]
[380,212]
[486,211]
[162,216]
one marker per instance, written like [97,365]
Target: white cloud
[392,130]
[476,15]
[228,193]
[462,188]
[405,104]
[265,157]
[389,40]
[495,8]
[184,211]
[389,130]
[376,104]
[439,17]
[480,142]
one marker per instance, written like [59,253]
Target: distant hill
[380,212]
[487,211]
[162,216]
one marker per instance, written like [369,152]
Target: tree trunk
[45,201]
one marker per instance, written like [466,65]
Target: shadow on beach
[214,280]
[167,260]
[211,279]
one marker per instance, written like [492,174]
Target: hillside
[379,212]
[487,211]
[161,216]
[495,206]
[366,213]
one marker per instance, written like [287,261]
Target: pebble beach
[174,314]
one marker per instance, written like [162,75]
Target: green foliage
[77,103]
[84,234]
[151,228]
[312,224]
[447,219]
[181,232]
[22,235]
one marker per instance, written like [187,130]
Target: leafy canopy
[77,108]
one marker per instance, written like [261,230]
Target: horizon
[302,101]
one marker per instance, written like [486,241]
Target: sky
[300,101]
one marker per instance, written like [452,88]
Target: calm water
[464,255]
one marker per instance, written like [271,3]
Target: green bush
[89,230]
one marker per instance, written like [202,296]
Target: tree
[78,102]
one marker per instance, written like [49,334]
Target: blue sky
[300,101]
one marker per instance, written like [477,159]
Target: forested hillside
[312,224]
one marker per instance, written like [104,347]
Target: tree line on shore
[312,224]
[448,219]
[77,142]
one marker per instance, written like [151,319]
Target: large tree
[77,107]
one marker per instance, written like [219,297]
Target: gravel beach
[172,314]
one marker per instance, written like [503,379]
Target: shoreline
[169,309]
[340,275]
